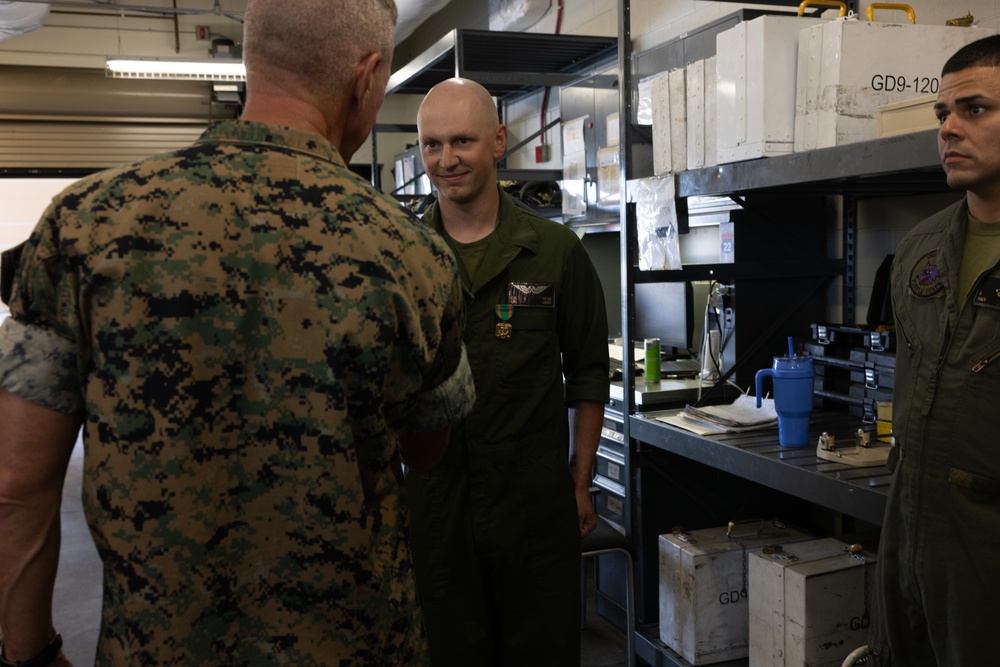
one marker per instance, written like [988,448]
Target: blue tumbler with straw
[793,395]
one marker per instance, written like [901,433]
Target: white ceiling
[414,12]
[80,33]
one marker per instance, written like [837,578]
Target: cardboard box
[703,588]
[852,67]
[756,64]
[808,604]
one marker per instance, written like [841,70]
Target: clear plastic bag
[656,223]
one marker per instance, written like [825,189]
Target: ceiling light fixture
[215,69]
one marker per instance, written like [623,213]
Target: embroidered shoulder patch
[925,277]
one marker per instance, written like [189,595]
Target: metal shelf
[508,64]
[891,165]
[747,270]
[757,456]
[649,647]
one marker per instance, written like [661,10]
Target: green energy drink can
[652,356]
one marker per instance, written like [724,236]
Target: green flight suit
[939,557]
[496,541]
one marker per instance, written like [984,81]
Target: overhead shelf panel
[508,64]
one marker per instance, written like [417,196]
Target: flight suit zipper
[899,443]
[938,365]
[983,363]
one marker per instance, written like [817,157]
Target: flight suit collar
[515,227]
[514,234]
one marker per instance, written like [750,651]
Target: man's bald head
[461,139]
[463,94]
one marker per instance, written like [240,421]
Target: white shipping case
[703,587]
[669,106]
[756,65]
[808,604]
[695,83]
[851,67]
[711,113]
[807,73]
[659,108]
[701,115]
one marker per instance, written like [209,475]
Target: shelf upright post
[646,555]
[627,234]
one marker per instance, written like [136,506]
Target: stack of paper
[742,415]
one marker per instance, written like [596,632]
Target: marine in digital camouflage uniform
[245,328]
[238,362]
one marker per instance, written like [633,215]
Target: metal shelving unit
[508,64]
[891,166]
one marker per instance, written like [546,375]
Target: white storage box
[852,67]
[703,586]
[711,113]
[701,115]
[756,65]
[694,80]
[808,604]
[807,75]
[669,106]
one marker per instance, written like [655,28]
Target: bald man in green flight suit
[497,524]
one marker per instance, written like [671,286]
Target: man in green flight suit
[939,555]
[498,523]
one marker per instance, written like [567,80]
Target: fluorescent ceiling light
[216,69]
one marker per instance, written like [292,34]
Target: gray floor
[78,590]
[77,600]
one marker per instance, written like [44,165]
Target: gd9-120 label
[922,85]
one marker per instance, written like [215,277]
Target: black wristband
[43,659]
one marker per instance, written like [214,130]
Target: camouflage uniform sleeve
[39,360]
[448,393]
[39,366]
[448,403]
